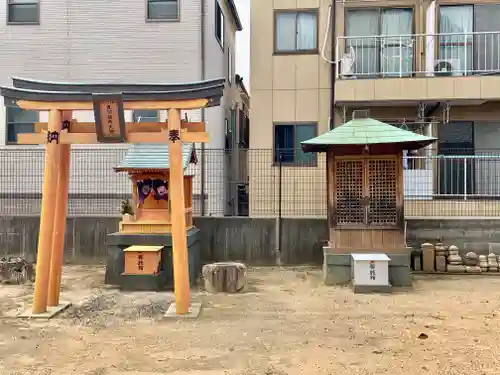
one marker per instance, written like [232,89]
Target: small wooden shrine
[148,166]
[365,195]
[147,266]
[109,103]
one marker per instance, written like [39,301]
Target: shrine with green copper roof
[365,200]
[366,135]
[154,157]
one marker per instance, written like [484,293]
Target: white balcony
[417,55]
[461,69]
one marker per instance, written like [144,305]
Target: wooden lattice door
[365,191]
[382,191]
[349,191]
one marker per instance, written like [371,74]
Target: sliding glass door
[471,42]
[381,41]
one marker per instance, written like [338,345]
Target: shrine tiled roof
[146,156]
[366,132]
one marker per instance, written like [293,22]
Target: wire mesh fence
[254,182]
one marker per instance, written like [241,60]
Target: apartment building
[430,66]
[122,41]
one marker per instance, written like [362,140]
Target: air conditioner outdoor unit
[447,67]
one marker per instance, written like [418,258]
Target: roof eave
[212,92]
[410,145]
[235,15]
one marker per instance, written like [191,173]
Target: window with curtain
[296,31]
[146,115]
[287,139]
[381,41]
[23,11]
[475,45]
[167,10]
[19,121]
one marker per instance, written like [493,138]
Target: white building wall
[110,41]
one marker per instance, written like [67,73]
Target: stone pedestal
[164,280]
[428,257]
[337,268]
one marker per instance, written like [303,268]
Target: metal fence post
[202,180]
[465,178]
[279,227]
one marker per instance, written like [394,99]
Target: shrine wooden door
[367,195]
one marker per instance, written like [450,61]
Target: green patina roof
[367,131]
[153,156]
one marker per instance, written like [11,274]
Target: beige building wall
[285,88]
[296,88]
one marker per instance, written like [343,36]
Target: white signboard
[370,269]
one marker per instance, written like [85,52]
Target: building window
[230,72]
[379,42]
[146,115]
[19,121]
[471,38]
[219,24]
[296,31]
[287,147]
[23,11]
[165,10]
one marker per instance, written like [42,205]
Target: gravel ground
[287,323]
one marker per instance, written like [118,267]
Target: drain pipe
[203,115]
[334,62]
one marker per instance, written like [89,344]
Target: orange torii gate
[108,101]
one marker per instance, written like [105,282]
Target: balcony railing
[444,54]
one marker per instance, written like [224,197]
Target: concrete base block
[194,312]
[366,289]
[337,269]
[50,313]
[115,263]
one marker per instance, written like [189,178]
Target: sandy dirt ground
[287,323]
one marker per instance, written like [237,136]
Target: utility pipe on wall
[331,24]
[203,117]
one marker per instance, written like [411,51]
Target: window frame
[219,21]
[277,12]
[473,70]
[10,3]
[148,19]
[157,115]
[7,122]
[294,163]
[379,9]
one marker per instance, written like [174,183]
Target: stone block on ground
[440,263]
[454,259]
[455,269]
[224,277]
[16,271]
[492,263]
[428,256]
[475,269]
[441,250]
[471,259]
